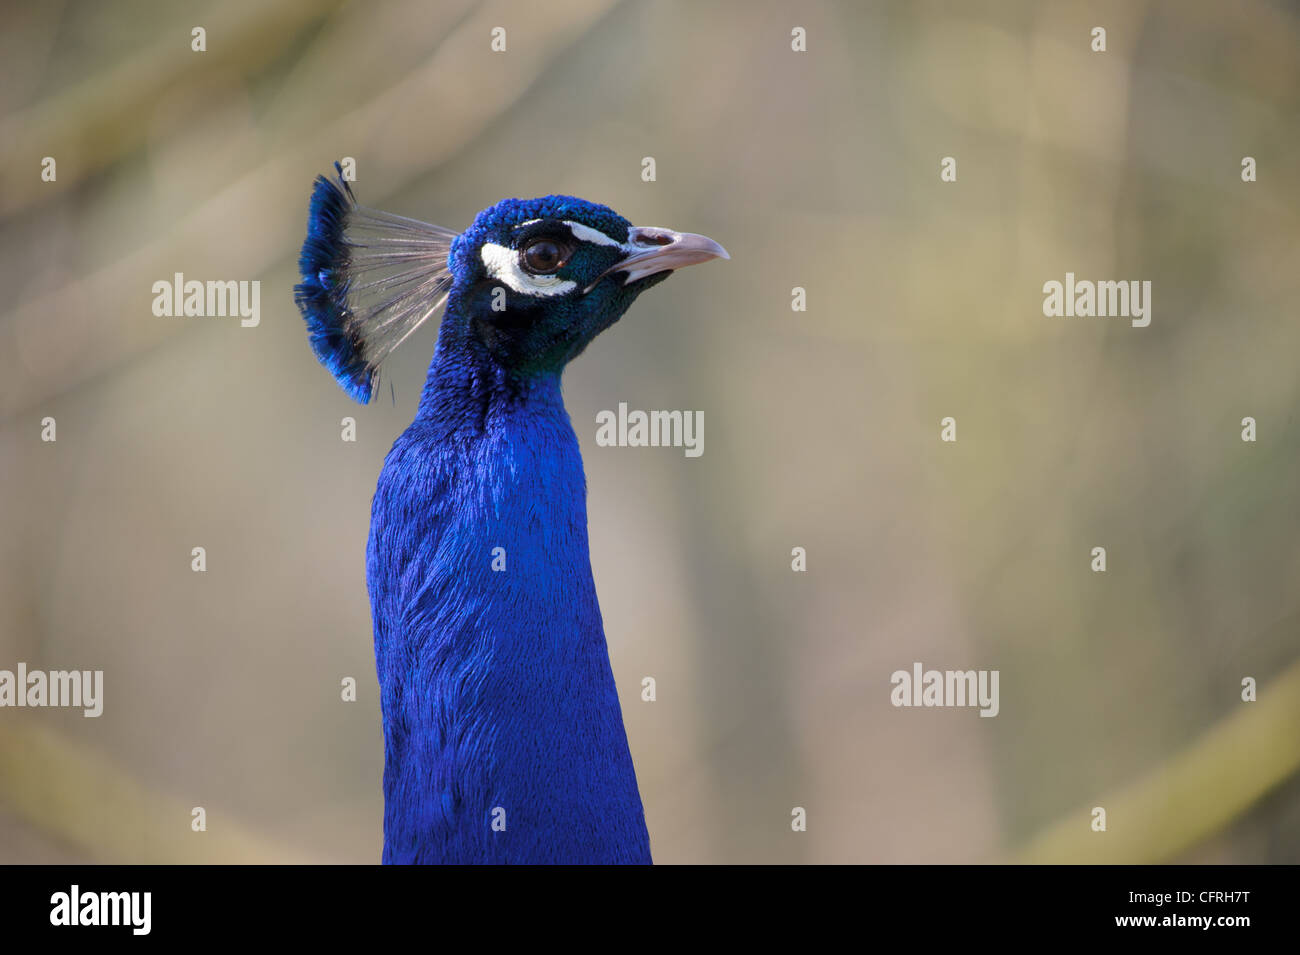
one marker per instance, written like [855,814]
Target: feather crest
[369,279]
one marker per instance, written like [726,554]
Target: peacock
[503,737]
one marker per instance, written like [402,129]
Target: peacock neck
[498,691]
[467,390]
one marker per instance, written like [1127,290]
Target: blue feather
[369,279]
[499,703]
[497,694]
[322,294]
[504,739]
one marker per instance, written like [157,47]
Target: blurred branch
[102,118]
[1192,796]
[69,791]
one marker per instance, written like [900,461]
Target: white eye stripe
[585,233]
[503,264]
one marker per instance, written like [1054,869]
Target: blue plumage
[504,739]
[322,295]
[369,279]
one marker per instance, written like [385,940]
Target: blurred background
[924,299]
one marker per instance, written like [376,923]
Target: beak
[654,250]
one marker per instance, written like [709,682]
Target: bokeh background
[816,169]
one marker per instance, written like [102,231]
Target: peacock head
[540,278]
[528,285]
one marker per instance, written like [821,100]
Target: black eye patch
[544,247]
[553,229]
[544,255]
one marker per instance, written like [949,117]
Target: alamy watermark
[70,688]
[651,429]
[922,687]
[212,299]
[1105,299]
[75,907]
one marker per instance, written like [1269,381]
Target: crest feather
[369,279]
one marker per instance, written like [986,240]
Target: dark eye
[541,256]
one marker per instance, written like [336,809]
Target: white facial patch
[503,265]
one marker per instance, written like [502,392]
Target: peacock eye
[543,256]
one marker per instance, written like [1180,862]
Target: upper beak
[655,250]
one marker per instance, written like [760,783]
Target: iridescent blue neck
[499,703]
